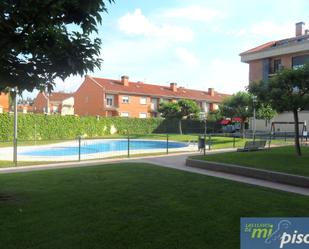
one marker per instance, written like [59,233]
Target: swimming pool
[92,147]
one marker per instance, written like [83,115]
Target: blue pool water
[103,146]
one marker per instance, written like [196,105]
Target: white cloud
[137,24]
[186,57]
[227,75]
[270,28]
[263,30]
[194,13]
[69,85]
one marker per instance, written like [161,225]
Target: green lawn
[282,159]
[134,206]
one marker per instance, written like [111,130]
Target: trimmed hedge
[40,127]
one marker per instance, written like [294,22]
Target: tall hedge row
[38,127]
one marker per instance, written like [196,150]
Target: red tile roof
[260,48]
[156,90]
[59,96]
[277,43]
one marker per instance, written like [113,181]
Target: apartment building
[267,59]
[4,103]
[57,103]
[108,97]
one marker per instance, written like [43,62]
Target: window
[55,108]
[86,99]
[277,65]
[154,104]
[125,99]
[143,100]
[124,114]
[143,115]
[109,100]
[299,61]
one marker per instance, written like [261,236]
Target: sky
[195,43]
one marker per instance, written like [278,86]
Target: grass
[282,159]
[134,206]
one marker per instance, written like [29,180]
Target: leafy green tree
[214,116]
[42,40]
[264,111]
[286,91]
[238,105]
[183,109]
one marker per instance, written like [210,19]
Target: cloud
[194,13]
[186,57]
[227,75]
[270,28]
[138,24]
[262,30]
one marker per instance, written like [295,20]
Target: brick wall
[134,108]
[4,102]
[256,67]
[39,103]
[255,70]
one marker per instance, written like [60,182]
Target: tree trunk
[180,127]
[297,145]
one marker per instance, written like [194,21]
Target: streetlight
[204,119]
[14,93]
[254,100]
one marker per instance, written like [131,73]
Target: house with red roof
[108,97]
[56,103]
[4,102]
[265,60]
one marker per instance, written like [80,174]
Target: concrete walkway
[178,162]
[168,161]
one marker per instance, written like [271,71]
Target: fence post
[209,142]
[128,146]
[234,141]
[15,151]
[167,140]
[204,145]
[79,148]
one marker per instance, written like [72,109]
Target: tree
[214,116]
[239,105]
[288,90]
[42,40]
[179,110]
[264,111]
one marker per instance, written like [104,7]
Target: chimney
[299,28]
[125,80]
[173,87]
[211,91]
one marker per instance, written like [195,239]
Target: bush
[41,127]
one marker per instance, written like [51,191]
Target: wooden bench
[253,146]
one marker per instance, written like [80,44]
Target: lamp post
[14,93]
[254,100]
[203,119]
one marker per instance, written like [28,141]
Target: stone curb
[300,181]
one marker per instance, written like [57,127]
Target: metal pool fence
[28,152]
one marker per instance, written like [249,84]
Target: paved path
[178,162]
[170,161]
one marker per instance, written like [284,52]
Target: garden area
[281,159]
[132,206]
